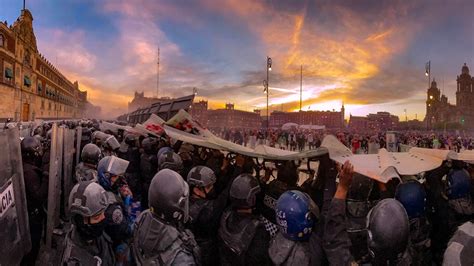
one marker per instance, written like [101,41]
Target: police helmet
[150,145]
[412,195]
[296,214]
[87,199]
[243,191]
[91,154]
[110,142]
[86,135]
[110,166]
[458,184]
[163,150]
[201,176]
[30,148]
[131,139]
[170,160]
[357,201]
[388,230]
[168,196]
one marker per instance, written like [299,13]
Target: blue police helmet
[110,166]
[459,184]
[412,196]
[296,214]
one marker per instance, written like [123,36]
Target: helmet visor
[112,143]
[117,166]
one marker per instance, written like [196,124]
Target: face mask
[89,231]
[212,194]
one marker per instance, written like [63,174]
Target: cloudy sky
[368,54]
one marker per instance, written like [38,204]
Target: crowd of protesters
[358,142]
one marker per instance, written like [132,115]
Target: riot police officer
[387,228]
[205,211]
[358,206]
[296,215]
[287,177]
[132,155]
[450,204]
[118,224]
[36,186]
[159,236]
[170,160]
[244,239]
[412,195]
[87,243]
[148,167]
[87,169]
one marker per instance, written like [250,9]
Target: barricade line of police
[72,194]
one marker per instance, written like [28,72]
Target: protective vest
[157,243]
[75,254]
[237,234]
[84,173]
[283,251]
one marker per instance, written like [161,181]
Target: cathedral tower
[464,91]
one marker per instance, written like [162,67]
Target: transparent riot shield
[68,163]
[14,229]
[54,190]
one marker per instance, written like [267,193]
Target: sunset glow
[368,55]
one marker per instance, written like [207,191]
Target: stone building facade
[378,121]
[230,118]
[439,111]
[140,101]
[330,119]
[30,86]
[199,112]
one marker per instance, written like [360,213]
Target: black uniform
[36,185]
[81,252]
[205,216]
[116,220]
[283,251]
[133,171]
[148,169]
[243,239]
[336,242]
[158,243]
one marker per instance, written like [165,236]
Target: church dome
[465,69]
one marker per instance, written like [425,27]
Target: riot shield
[68,161]
[14,229]
[54,190]
[78,144]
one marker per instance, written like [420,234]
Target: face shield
[117,166]
[112,142]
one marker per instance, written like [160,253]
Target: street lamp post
[428,74]
[266,86]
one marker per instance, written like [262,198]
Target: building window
[40,87]
[8,74]
[42,105]
[27,81]
[49,106]
[2,40]
[27,60]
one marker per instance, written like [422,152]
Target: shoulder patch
[117,216]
